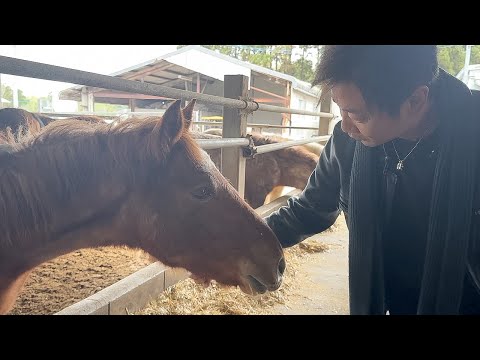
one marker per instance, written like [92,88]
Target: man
[403,167]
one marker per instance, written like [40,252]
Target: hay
[190,298]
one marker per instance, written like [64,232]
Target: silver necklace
[400,164]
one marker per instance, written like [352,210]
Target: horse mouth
[257,287]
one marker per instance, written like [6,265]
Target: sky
[101,59]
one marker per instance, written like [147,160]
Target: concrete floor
[323,278]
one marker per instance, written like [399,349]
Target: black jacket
[327,192]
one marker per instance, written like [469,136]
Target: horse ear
[187,112]
[172,123]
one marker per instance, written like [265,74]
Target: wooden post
[131,103]
[84,102]
[288,96]
[90,101]
[324,122]
[234,126]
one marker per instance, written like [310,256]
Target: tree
[7,92]
[451,58]
[303,70]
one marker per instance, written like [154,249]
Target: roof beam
[160,77]
[145,72]
[268,93]
[179,73]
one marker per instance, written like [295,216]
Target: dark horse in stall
[141,183]
[22,121]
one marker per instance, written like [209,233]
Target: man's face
[372,128]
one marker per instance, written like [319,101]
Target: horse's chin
[201,281]
[247,289]
[252,287]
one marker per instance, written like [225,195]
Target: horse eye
[203,193]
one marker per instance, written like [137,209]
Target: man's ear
[418,99]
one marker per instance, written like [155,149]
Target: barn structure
[196,68]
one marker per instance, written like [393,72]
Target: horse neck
[57,198]
[296,167]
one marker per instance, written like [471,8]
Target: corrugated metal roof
[163,72]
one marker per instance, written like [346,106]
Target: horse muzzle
[260,284]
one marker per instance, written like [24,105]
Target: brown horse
[278,189]
[287,167]
[22,121]
[144,184]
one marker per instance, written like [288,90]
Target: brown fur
[88,118]
[22,121]
[286,167]
[78,185]
[19,121]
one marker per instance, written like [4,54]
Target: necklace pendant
[400,165]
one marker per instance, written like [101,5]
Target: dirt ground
[319,286]
[70,278]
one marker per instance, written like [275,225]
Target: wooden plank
[175,275]
[131,293]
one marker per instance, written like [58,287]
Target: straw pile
[190,298]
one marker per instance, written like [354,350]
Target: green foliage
[7,92]
[452,57]
[303,69]
[475,55]
[29,103]
[279,57]
[275,57]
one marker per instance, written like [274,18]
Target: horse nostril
[281,266]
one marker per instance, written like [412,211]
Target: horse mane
[18,121]
[69,155]
[88,118]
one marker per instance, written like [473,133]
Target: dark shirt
[406,228]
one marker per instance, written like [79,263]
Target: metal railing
[282,145]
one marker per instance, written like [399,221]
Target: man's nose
[347,125]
